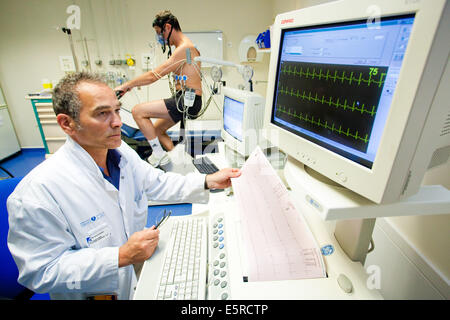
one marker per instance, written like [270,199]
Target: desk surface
[327,288]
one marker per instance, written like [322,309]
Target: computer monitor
[243,113]
[359,92]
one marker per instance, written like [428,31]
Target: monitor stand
[355,214]
[234,159]
[355,235]
[276,157]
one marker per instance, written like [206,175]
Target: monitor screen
[335,83]
[233,116]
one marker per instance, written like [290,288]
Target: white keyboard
[183,275]
[190,263]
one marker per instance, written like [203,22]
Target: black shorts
[171,105]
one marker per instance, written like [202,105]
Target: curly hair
[164,17]
[66,99]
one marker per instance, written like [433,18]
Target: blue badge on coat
[92,219]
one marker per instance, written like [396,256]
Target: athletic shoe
[158,159]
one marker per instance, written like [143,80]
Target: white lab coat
[67,221]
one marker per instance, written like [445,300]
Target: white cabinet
[53,137]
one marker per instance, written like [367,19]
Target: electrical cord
[172,86]
[157,75]
[372,246]
[205,107]
[9,173]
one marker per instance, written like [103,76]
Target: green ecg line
[335,76]
[328,101]
[325,125]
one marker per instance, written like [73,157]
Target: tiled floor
[23,162]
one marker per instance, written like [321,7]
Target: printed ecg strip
[278,242]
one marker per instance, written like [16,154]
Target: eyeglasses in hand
[164,218]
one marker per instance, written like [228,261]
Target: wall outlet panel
[146,61]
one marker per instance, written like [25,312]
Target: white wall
[430,234]
[29,52]
[31,45]
[289,5]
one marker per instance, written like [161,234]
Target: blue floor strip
[21,164]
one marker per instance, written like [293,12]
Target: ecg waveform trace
[339,75]
[338,102]
[331,101]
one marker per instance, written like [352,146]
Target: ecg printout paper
[277,240]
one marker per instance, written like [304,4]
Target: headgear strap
[161,22]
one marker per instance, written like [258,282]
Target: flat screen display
[335,83]
[233,116]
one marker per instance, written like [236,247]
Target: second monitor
[243,113]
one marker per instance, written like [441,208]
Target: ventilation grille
[446,127]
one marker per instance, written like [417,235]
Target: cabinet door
[9,144]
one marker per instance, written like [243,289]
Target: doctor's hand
[222,178]
[139,247]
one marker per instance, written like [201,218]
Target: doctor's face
[99,123]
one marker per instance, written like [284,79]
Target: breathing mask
[163,42]
[160,39]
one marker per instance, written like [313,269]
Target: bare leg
[144,111]
[161,126]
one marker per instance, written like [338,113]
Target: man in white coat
[77,220]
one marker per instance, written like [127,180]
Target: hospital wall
[29,51]
[31,44]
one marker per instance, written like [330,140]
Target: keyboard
[183,275]
[205,165]
[190,263]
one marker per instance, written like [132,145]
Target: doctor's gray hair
[65,95]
